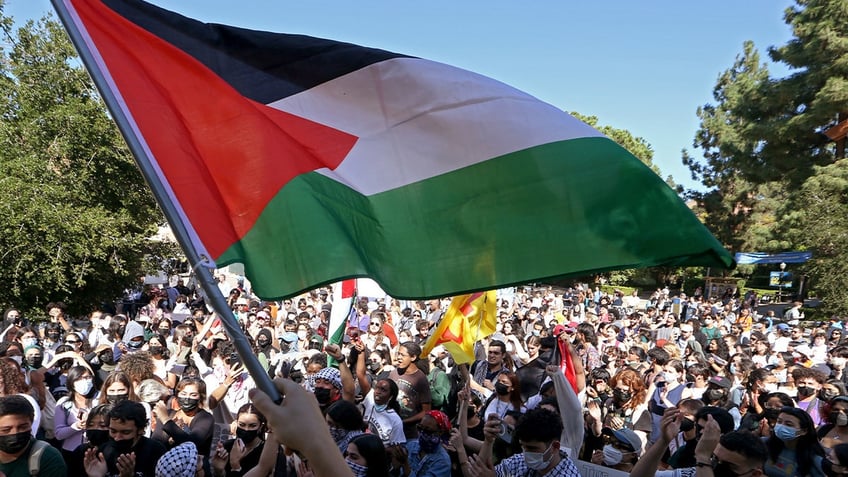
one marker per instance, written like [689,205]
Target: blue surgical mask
[785,433]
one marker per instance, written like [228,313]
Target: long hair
[371,449]
[74,374]
[807,446]
[118,377]
[201,389]
[638,391]
[515,394]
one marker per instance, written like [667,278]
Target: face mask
[83,386]
[375,366]
[27,342]
[670,377]
[116,398]
[632,364]
[14,443]
[621,396]
[156,350]
[245,435]
[502,389]
[612,456]
[53,337]
[687,425]
[121,330]
[838,418]
[723,469]
[429,442]
[770,413]
[263,343]
[135,345]
[358,470]
[97,436]
[301,335]
[536,460]
[322,395]
[785,433]
[732,368]
[107,358]
[827,394]
[380,407]
[770,387]
[188,404]
[35,362]
[805,391]
[338,433]
[124,447]
[829,471]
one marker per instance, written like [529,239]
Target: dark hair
[371,448]
[15,405]
[659,355]
[119,377]
[720,415]
[249,408]
[746,444]
[392,403]
[201,388]
[97,411]
[130,411]
[759,374]
[588,332]
[346,415]
[807,446]
[413,349]
[540,425]
[841,453]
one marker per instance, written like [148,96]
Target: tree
[762,139]
[75,213]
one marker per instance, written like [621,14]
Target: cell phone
[234,359]
[661,384]
[506,432]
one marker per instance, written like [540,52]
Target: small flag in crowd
[469,319]
[344,297]
[311,160]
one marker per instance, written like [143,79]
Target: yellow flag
[469,319]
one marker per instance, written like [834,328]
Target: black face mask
[770,414]
[805,391]
[375,366]
[116,398]
[471,412]
[263,344]
[188,404]
[502,389]
[97,436]
[124,447]
[121,330]
[245,435]
[53,336]
[687,425]
[322,395]
[14,443]
[156,350]
[35,362]
[621,396]
[723,469]
[827,394]
[107,358]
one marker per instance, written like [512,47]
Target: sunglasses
[72,341]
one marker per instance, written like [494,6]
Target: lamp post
[780,283]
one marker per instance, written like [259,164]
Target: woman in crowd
[158,348]
[379,364]
[835,431]
[236,456]
[507,396]
[793,447]
[345,422]
[367,457]
[72,410]
[12,382]
[191,422]
[117,388]
[628,406]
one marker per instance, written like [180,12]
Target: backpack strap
[35,457]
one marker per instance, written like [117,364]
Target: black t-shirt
[147,454]
[248,462]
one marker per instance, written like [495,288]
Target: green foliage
[763,148]
[75,213]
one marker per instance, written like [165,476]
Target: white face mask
[536,460]
[612,456]
[770,387]
[27,342]
[670,377]
[301,335]
[83,386]
[838,362]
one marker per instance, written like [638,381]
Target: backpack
[35,457]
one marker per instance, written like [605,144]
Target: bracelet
[703,464]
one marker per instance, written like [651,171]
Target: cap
[263,314]
[783,327]
[241,301]
[720,381]
[559,329]
[627,437]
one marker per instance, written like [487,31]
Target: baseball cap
[559,329]
[783,327]
[627,437]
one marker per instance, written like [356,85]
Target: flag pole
[200,264]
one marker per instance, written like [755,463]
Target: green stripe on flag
[565,208]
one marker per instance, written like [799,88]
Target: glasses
[72,341]
[416,315]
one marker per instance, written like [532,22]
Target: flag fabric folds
[344,296]
[311,161]
[469,319]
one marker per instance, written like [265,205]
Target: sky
[641,66]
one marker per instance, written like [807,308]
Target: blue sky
[642,66]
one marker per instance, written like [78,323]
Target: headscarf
[441,420]
[181,461]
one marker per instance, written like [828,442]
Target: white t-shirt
[387,425]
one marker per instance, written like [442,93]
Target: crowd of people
[668,385]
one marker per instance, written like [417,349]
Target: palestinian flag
[311,161]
